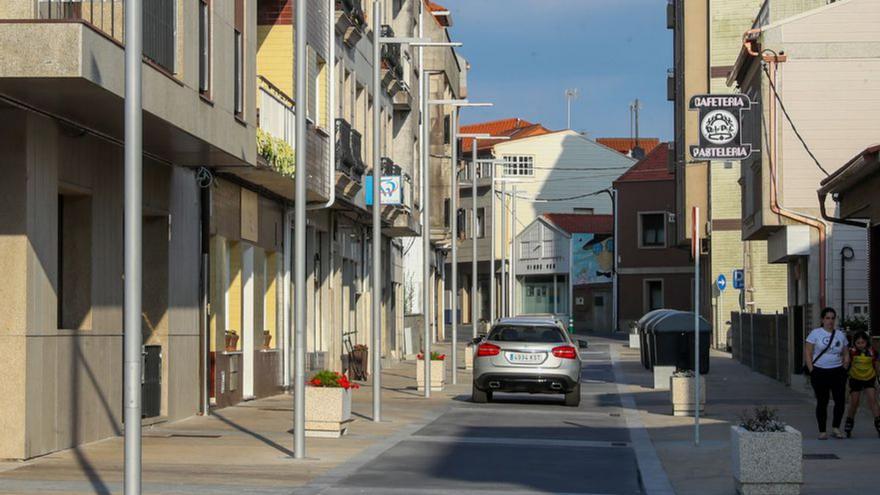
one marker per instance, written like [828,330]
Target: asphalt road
[517,444]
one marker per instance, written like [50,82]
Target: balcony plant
[438,370]
[277,152]
[767,454]
[681,390]
[328,404]
[231,340]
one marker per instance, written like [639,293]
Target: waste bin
[671,337]
[641,328]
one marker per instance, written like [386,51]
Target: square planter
[682,395]
[328,411]
[438,374]
[634,341]
[469,357]
[767,462]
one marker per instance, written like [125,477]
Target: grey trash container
[672,335]
[641,325]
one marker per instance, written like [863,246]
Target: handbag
[806,369]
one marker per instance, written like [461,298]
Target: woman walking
[826,355]
[862,378]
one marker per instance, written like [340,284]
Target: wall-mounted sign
[390,189]
[721,127]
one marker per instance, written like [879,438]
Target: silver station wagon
[529,355]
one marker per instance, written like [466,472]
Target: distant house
[652,271]
[630,146]
[565,261]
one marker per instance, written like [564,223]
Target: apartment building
[61,96]
[653,271]
[818,102]
[702,66]
[540,172]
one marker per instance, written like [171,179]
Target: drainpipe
[841,221]
[331,112]
[772,62]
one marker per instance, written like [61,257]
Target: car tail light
[565,352]
[486,349]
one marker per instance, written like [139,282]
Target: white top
[833,358]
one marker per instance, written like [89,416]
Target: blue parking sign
[739,279]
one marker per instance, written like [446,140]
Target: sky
[524,54]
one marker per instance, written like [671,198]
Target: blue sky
[525,53]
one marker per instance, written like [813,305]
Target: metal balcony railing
[277,112]
[344,156]
[357,151]
[391,55]
[354,9]
[108,17]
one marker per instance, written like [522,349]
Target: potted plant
[438,371]
[682,388]
[767,454]
[328,404]
[267,339]
[231,338]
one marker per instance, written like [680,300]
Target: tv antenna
[571,95]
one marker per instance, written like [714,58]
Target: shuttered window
[159,27]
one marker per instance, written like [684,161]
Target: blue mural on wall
[593,258]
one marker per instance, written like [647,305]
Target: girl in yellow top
[862,378]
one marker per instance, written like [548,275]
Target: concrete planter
[765,463]
[438,374]
[634,341]
[682,395]
[328,411]
[663,376]
[469,357]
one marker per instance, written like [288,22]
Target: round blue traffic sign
[721,282]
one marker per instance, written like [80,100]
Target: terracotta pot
[267,340]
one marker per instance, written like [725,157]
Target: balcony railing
[344,155]
[391,58]
[276,116]
[484,171]
[108,17]
[357,151]
[354,9]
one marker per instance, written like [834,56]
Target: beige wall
[65,384]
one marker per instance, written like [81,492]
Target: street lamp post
[455,104]
[377,212]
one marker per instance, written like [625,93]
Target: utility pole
[299,243]
[133,114]
[377,217]
[571,95]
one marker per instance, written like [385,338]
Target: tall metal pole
[133,236]
[299,303]
[377,217]
[453,214]
[474,238]
[503,216]
[697,367]
[492,244]
[426,228]
[513,254]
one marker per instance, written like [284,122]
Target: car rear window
[527,333]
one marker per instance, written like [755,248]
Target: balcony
[350,21]
[392,65]
[484,174]
[349,168]
[68,60]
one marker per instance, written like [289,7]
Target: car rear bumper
[529,383]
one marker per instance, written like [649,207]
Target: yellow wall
[275,56]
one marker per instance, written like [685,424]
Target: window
[549,249]
[446,207]
[584,211]
[481,223]
[653,295]
[74,271]
[519,165]
[239,58]
[158,35]
[652,230]
[446,129]
[204,47]
[319,92]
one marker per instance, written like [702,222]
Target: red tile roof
[582,223]
[653,167]
[514,128]
[625,145]
[443,20]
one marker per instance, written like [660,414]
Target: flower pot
[358,365]
[328,411]
[231,341]
[767,462]
[682,395]
[438,374]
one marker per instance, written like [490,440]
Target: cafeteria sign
[721,123]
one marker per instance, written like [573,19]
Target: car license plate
[526,357]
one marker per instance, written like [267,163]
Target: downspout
[841,221]
[331,112]
[775,207]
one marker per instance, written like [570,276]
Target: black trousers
[829,381]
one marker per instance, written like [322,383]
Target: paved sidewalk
[241,449]
[733,388]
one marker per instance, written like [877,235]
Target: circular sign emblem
[719,127]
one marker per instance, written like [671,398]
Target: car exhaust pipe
[556,386]
[494,385]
